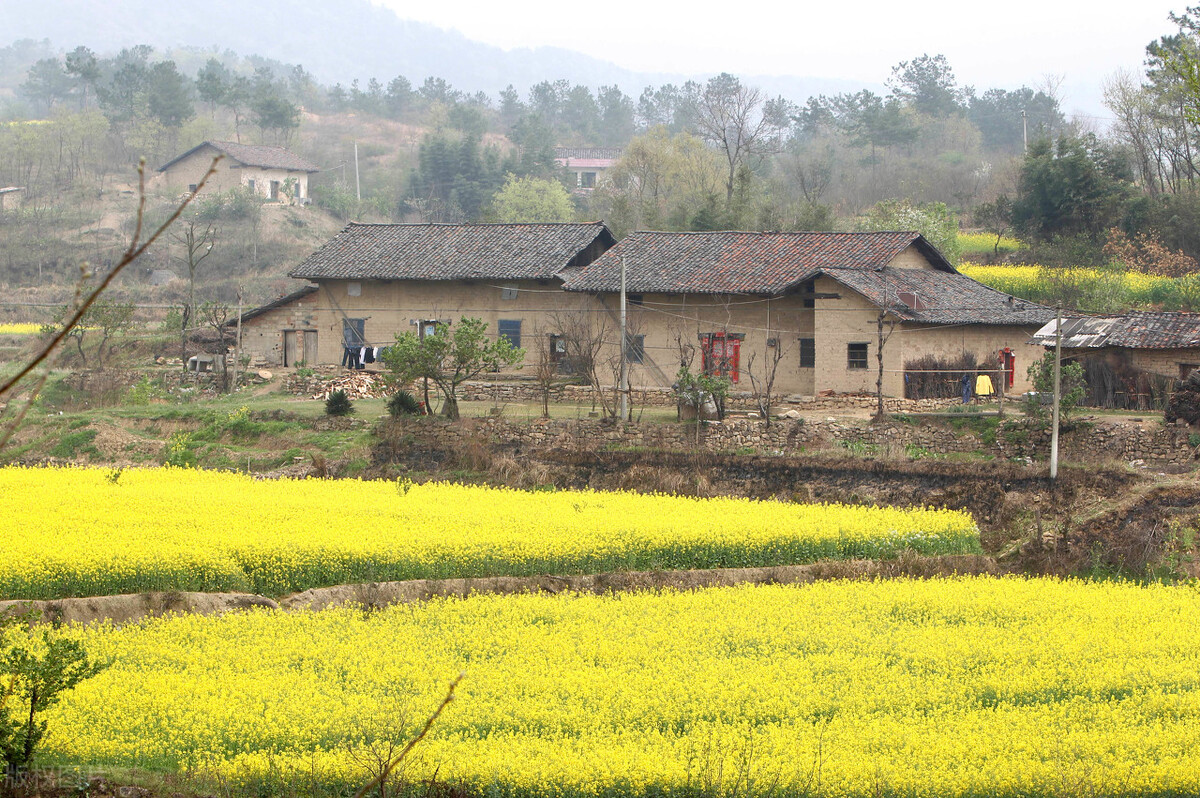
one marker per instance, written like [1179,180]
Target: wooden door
[310,347]
[289,347]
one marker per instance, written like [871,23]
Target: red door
[721,355]
[1008,364]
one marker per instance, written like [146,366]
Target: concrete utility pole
[623,412]
[357,186]
[1025,131]
[1057,392]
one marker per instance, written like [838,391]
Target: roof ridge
[779,232]
[464,225]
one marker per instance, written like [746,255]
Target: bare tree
[212,315]
[762,381]
[740,123]
[387,768]
[545,371]
[882,320]
[585,332]
[197,247]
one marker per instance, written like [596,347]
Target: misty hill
[339,42]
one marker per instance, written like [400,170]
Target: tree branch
[387,769]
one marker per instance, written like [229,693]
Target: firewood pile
[1185,402]
[356,386]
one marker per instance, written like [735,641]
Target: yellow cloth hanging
[983,385]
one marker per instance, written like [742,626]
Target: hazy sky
[988,44]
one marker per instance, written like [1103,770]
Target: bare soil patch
[134,607]
[1150,533]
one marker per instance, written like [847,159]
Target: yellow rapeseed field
[1111,288]
[86,532]
[16,328]
[986,243]
[965,687]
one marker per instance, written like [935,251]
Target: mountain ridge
[372,42]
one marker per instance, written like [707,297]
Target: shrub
[338,404]
[73,444]
[1072,389]
[142,392]
[403,403]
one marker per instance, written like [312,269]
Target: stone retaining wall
[1011,440]
[524,390]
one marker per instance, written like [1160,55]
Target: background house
[587,164]
[271,172]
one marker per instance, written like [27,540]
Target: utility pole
[1057,392]
[357,185]
[623,412]
[1025,131]
[237,348]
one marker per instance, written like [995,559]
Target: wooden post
[237,347]
[623,412]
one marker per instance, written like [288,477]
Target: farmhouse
[271,172]
[809,305]
[376,280]
[1132,360]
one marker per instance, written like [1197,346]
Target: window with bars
[510,329]
[635,348]
[808,353]
[856,356]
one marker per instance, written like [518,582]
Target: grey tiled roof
[775,263]
[454,251]
[937,297]
[261,155]
[1137,330]
[739,262]
[587,153]
[286,299]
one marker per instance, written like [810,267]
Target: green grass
[73,444]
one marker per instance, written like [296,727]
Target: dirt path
[375,595]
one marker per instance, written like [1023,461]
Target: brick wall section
[262,336]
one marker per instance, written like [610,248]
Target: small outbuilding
[1131,360]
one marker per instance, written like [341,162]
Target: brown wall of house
[393,307]
[1167,362]
[665,320]
[983,341]
[263,335]
[229,175]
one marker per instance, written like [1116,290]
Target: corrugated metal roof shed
[1137,330]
